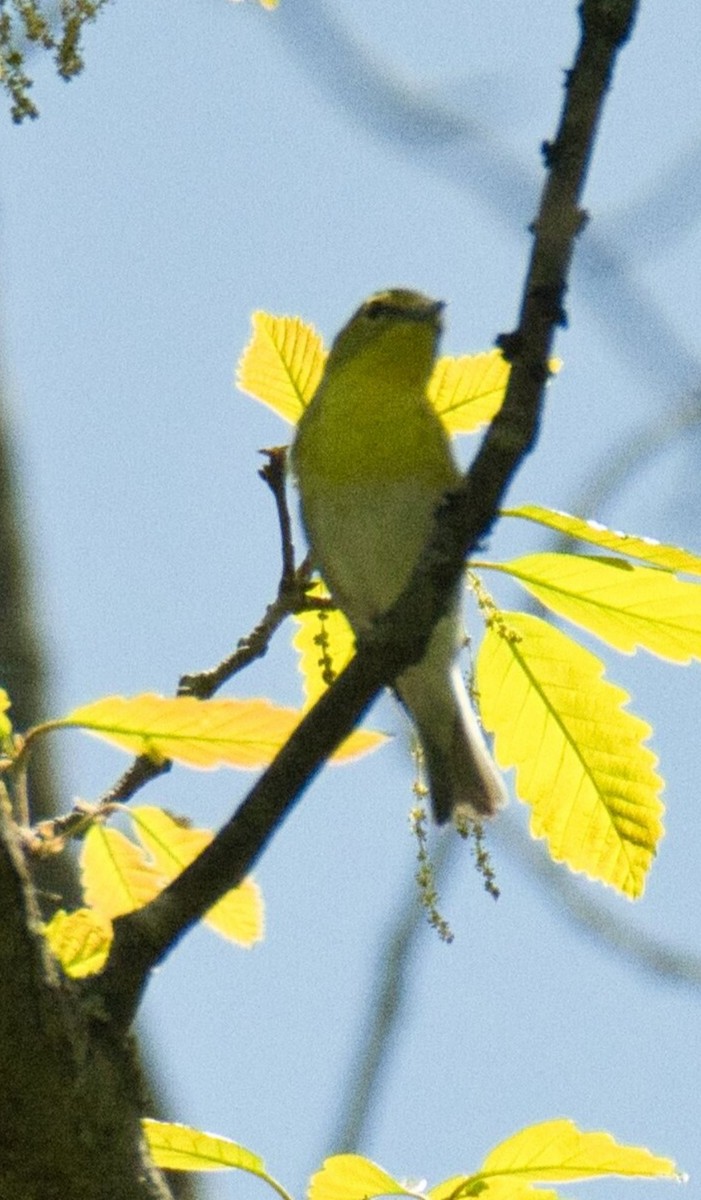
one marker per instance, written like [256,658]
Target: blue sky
[214,159]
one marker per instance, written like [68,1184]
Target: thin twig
[142,771]
[274,473]
[292,598]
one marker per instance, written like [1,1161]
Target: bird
[372,462]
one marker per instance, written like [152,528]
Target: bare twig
[274,473]
[142,771]
[292,598]
[291,595]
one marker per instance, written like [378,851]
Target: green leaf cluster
[550,1152]
[581,759]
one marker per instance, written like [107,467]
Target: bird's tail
[462,774]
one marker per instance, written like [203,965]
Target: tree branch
[460,150]
[60,1068]
[399,638]
[556,226]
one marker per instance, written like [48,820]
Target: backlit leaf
[282,364]
[119,876]
[551,1152]
[325,644]
[352,1177]
[199,733]
[466,392]
[5,722]
[116,874]
[559,1152]
[176,1147]
[580,758]
[240,915]
[173,845]
[657,554]
[80,940]
[625,605]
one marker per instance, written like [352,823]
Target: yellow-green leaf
[80,940]
[199,733]
[325,644]
[176,1147]
[5,722]
[352,1177]
[173,845]
[551,1152]
[559,1152]
[116,875]
[466,392]
[119,876]
[625,605]
[657,554]
[282,364]
[580,758]
[240,915]
[358,743]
